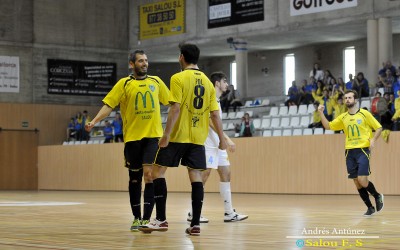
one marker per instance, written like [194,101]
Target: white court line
[332,237]
[36,203]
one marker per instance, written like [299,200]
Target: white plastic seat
[285,122]
[318,131]
[224,126]
[239,114]
[310,109]
[96,142]
[266,123]
[292,110]
[267,133]
[257,123]
[90,142]
[294,122]
[231,126]
[65,143]
[250,112]
[71,143]
[287,132]
[224,115]
[329,132]
[231,115]
[112,114]
[265,102]
[297,131]
[366,104]
[274,111]
[305,121]
[307,131]
[277,132]
[283,110]
[275,122]
[302,109]
[248,103]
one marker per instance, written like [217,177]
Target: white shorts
[216,157]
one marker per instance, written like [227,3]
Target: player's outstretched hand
[164,141]
[321,108]
[231,145]
[222,144]
[89,126]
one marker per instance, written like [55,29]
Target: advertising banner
[9,74]
[80,78]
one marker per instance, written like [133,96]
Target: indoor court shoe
[202,219]
[195,230]
[232,217]
[154,225]
[379,202]
[135,225]
[370,211]
[144,222]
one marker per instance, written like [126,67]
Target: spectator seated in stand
[316,117]
[247,128]
[71,132]
[117,125]
[108,132]
[293,94]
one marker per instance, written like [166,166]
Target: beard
[140,72]
[350,105]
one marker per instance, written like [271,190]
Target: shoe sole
[236,220]
[135,230]
[189,220]
[149,230]
[383,204]
[194,234]
[365,215]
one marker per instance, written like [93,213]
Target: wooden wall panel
[51,120]
[18,160]
[298,165]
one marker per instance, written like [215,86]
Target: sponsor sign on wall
[161,19]
[9,74]
[302,7]
[80,78]
[227,12]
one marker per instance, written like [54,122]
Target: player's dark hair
[217,76]
[190,52]
[352,91]
[132,56]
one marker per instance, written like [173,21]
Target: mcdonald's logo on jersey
[144,99]
[352,128]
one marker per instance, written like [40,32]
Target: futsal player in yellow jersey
[193,102]
[357,125]
[139,96]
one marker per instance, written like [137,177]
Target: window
[289,70]
[349,62]
[233,74]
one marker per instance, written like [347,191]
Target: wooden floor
[101,220]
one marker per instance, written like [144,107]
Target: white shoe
[232,217]
[202,219]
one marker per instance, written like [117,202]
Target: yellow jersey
[357,128]
[139,101]
[196,95]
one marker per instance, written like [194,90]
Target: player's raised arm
[103,113]
[324,121]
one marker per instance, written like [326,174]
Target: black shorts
[357,161]
[139,153]
[188,154]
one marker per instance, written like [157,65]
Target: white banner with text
[9,74]
[302,7]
